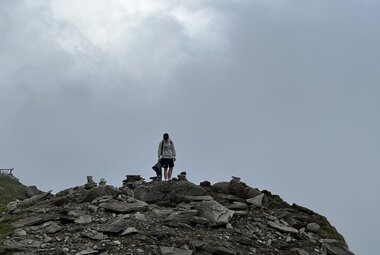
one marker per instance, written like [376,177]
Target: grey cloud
[289,103]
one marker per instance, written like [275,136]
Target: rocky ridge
[175,217]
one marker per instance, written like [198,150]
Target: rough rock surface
[176,217]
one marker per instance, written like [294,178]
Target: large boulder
[100,191]
[221,187]
[214,212]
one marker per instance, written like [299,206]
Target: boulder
[221,187]
[251,192]
[51,227]
[100,191]
[114,227]
[214,212]
[256,201]
[313,227]
[83,219]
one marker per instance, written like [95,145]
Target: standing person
[166,155]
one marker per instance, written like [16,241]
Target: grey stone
[35,199]
[139,216]
[123,207]
[182,218]
[252,192]
[336,248]
[313,227]
[129,231]
[20,232]
[256,201]
[237,206]
[51,227]
[87,251]
[214,212]
[115,227]
[95,235]
[22,245]
[174,251]
[282,227]
[29,221]
[83,219]
[198,198]
[100,191]
[11,206]
[221,187]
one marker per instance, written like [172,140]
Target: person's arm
[159,151]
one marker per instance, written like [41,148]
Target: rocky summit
[175,217]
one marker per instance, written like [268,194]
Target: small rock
[20,232]
[83,219]
[129,231]
[229,226]
[140,216]
[313,227]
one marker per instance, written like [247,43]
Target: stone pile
[176,217]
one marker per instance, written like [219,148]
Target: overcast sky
[283,93]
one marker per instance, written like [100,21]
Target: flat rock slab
[129,231]
[115,227]
[256,201]
[237,206]
[33,220]
[52,227]
[282,227]
[174,251]
[198,198]
[337,249]
[22,245]
[214,212]
[35,199]
[124,207]
[94,235]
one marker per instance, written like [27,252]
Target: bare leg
[166,173]
[170,172]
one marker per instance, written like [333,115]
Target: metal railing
[6,171]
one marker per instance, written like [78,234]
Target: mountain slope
[176,217]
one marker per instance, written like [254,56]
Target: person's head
[166,136]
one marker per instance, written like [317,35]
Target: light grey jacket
[168,150]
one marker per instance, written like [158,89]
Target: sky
[282,93]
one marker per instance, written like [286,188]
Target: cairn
[132,181]
[182,176]
[102,182]
[90,183]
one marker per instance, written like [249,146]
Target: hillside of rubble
[158,217]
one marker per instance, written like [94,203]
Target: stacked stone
[90,183]
[132,180]
[182,176]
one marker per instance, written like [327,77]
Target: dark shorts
[167,162]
